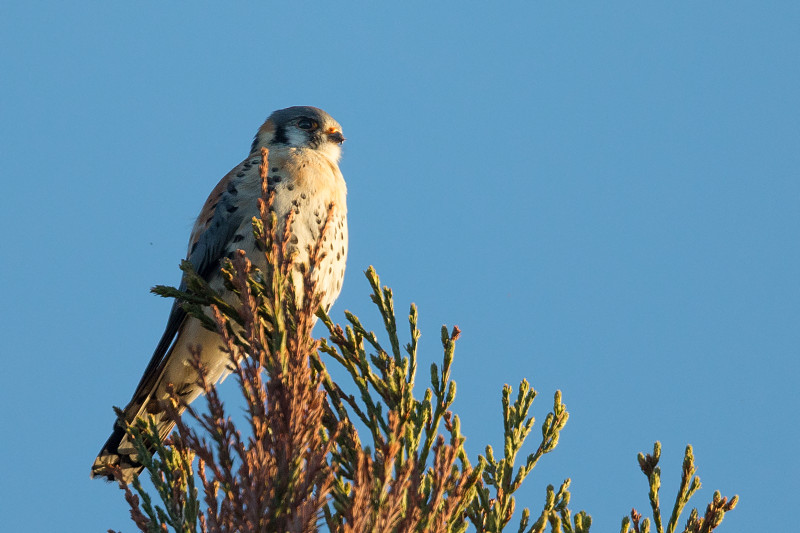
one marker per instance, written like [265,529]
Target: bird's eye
[306,124]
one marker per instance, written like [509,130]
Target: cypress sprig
[689,485]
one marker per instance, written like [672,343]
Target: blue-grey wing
[219,220]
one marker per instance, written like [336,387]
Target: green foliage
[170,470]
[690,483]
[489,513]
[405,431]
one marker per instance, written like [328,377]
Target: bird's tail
[118,451]
[165,369]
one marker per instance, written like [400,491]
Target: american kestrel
[304,148]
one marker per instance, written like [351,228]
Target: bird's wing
[213,231]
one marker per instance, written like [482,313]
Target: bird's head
[301,127]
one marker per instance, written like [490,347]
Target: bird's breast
[314,192]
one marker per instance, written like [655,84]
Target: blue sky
[603,197]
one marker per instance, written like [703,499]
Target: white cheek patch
[296,138]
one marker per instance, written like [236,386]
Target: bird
[304,146]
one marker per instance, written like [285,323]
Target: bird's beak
[336,137]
